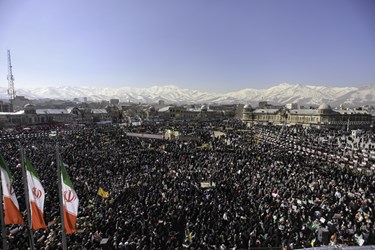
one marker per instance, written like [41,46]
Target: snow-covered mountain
[279,94]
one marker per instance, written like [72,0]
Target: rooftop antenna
[11,91]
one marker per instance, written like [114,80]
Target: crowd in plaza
[354,149]
[239,190]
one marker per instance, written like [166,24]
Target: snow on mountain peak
[279,94]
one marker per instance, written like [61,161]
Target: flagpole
[63,233]
[3,232]
[26,191]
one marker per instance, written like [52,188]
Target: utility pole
[11,91]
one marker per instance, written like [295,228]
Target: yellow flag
[102,193]
[312,243]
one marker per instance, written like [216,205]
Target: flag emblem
[37,193]
[69,196]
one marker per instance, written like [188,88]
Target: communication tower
[11,91]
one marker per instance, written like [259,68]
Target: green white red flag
[70,201]
[12,214]
[36,197]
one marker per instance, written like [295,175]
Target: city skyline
[216,46]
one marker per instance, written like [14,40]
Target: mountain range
[280,94]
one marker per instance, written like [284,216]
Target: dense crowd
[354,149]
[233,191]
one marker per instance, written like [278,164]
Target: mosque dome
[29,106]
[247,106]
[204,107]
[324,106]
[29,109]
[324,109]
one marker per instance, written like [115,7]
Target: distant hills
[280,94]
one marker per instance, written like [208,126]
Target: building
[4,107]
[266,105]
[181,113]
[19,102]
[324,116]
[292,105]
[88,115]
[114,101]
[30,115]
[98,115]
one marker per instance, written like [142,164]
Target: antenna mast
[11,91]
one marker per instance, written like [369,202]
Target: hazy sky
[216,45]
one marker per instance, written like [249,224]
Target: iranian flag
[70,201]
[11,207]
[36,197]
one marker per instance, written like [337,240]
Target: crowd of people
[354,150]
[233,191]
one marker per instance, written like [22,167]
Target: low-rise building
[324,116]
[30,115]
[5,107]
[292,105]
[181,113]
